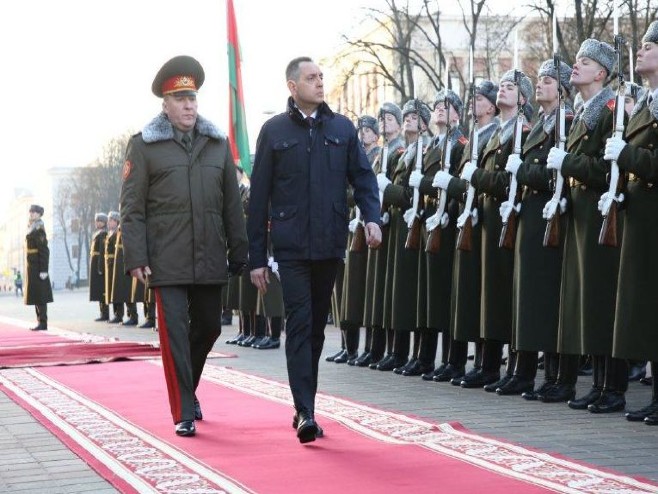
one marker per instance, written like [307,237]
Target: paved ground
[32,460]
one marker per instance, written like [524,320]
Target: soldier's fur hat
[489,90]
[547,68]
[524,82]
[35,208]
[366,121]
[652,33]
[100,217]
[393,109]
[452,97]
[600,52]
[423,110]
[114,215]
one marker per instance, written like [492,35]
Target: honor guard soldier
[590,270]
[38,291]
[635,335]
[113,218]
[122,285]
[97,267]
[183,229]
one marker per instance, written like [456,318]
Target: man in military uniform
[97,266]
[381,340]
[110,253]
[402,263]
[38,291]
[465,296]
[435,267]
[537,269]
[635,335]
[589,274]
[122,284]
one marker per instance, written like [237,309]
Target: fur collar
[592,111]
[485,133]
[160,129]
[395,144]
[410,153]
[506,130]
[548,122]
[653,108]
[35,225]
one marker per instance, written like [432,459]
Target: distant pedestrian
[18,283]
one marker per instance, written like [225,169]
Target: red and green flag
[238,136]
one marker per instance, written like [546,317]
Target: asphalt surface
[32,460]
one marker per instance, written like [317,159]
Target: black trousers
[42,313]
[307,287]
[189,321]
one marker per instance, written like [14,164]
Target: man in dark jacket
[38,291]
[97,266]
[183,229]
[304,157]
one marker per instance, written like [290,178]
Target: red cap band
[179,83]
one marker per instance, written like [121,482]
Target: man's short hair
[292,70]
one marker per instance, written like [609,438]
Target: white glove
[43,276]
[435,220]
[506,209]
[382,182]
[555,159]
[551,208]
[468,170]
[441,180]
[415,178]
[409,216]
[353,224]
[513,163]
[461,219]
[613,148]
[274,266]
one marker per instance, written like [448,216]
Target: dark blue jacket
[299,183]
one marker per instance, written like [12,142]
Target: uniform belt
[492,197]
[109,256]
[634,178]
[431,201]
[529,190]
[577,183]
[95,253]
[32,251]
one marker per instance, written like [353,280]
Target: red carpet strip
[115,416]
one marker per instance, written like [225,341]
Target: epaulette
[611,104]
[462,140]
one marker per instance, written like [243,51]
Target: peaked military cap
[599,51]
[547,68]
[423,109]
[366,121]
[181,74]
[452,97]
[35,208]
[393,109]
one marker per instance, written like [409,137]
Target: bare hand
[141,273]
[260,277]
[373,235]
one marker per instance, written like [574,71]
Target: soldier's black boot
[105,312]
[132,315]
[637,369]
[401,348]
[351,339]
[507,376]
[429,342]
[613,398]
[565,385]
[377,346]
[551,361]
[492,353]
[523,377]
[652,407]
[598,379]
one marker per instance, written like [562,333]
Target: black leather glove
[235,268]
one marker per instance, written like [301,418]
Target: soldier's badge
[127,168]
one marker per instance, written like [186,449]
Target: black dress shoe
[399,369]
[647,381]
[185,428]
[198,414]
[448,373]
[259,341]
[247,342]
[344,357]
[386,364]
[651,419]
[236,339]
[318,435]
[130,322]
[429,376]
[39,327]
[418,369]
[558,393]
[457,381]
[307,429]
[115,320]
[364,360]
[352,361]
[516,386]
[609,402]
[148,324]
[479,379]
[637,372]
[270,344]
[642,413]
[102,318]
[333,357]
[534,395]
[396,365]
[491,388]
[582,403]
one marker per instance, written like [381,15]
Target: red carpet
[22,348]
[122,427]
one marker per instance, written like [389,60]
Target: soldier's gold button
[586,138]
[497,167]
[499,151]
[535,192]
[536,160]
[651,145]
[649,185]
[583,187]
[541,147]
[281,214]
[655,125]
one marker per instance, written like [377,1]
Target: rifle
[440,217]
[508,232]
[465,220]
[612,198]
[413,236]
[359,237]
[552,232]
